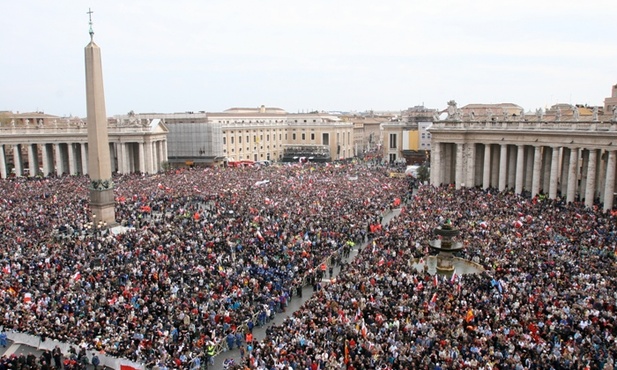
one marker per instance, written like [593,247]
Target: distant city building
[256,134]
[407,139]
[611,102]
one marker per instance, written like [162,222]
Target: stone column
[84,158]
[470,181]
[601,178]
[33,160]
[157,156]
[520,166]
[486,174]
[120,149]
[72,159]
[590,186]
[511,173]
[59,161]
[609,187]
[572,175]
[147,146]
[458,177]
[528,170]
[3,172]
[165,154]
[157,161]
[537,171]
[552,191]
[47,159]
[142,165]
[18,161]
[563,180]
[112,157]
[503,167]
[435,162]
[547,155]
[583,169]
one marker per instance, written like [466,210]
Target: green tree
[423,173]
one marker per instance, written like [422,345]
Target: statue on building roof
[539,114]
[575,113]
[489,114]
[435,116]
[595,114]
[453,112]
[614,119]
[558,114]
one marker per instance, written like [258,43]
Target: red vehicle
[242,163]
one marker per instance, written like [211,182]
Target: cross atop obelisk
[99,165]
[89,12]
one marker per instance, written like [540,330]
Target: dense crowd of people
[208,251]
[545,300]
[203,252]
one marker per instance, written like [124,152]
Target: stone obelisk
[99,165]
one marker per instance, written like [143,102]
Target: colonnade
[574,172]
[32,159]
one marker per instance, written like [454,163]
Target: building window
[393,141]
[293,136]
[225,141]
[267,137]
[232,140]
[239,139]
[303,136]
[312,136]
[281,137]
[393,156]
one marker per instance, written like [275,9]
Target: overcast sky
[356,55]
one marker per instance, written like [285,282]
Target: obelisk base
[102,205]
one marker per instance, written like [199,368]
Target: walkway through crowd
[259,332]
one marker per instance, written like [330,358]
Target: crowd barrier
[50,344]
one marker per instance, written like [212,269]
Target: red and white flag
[76,276]
[454,277]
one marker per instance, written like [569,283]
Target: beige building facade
[261,134]
[34,144]
[567,151]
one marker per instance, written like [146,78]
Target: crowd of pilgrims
[545,300]
[204,251]
[207,250]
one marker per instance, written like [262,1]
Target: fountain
[445,246]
